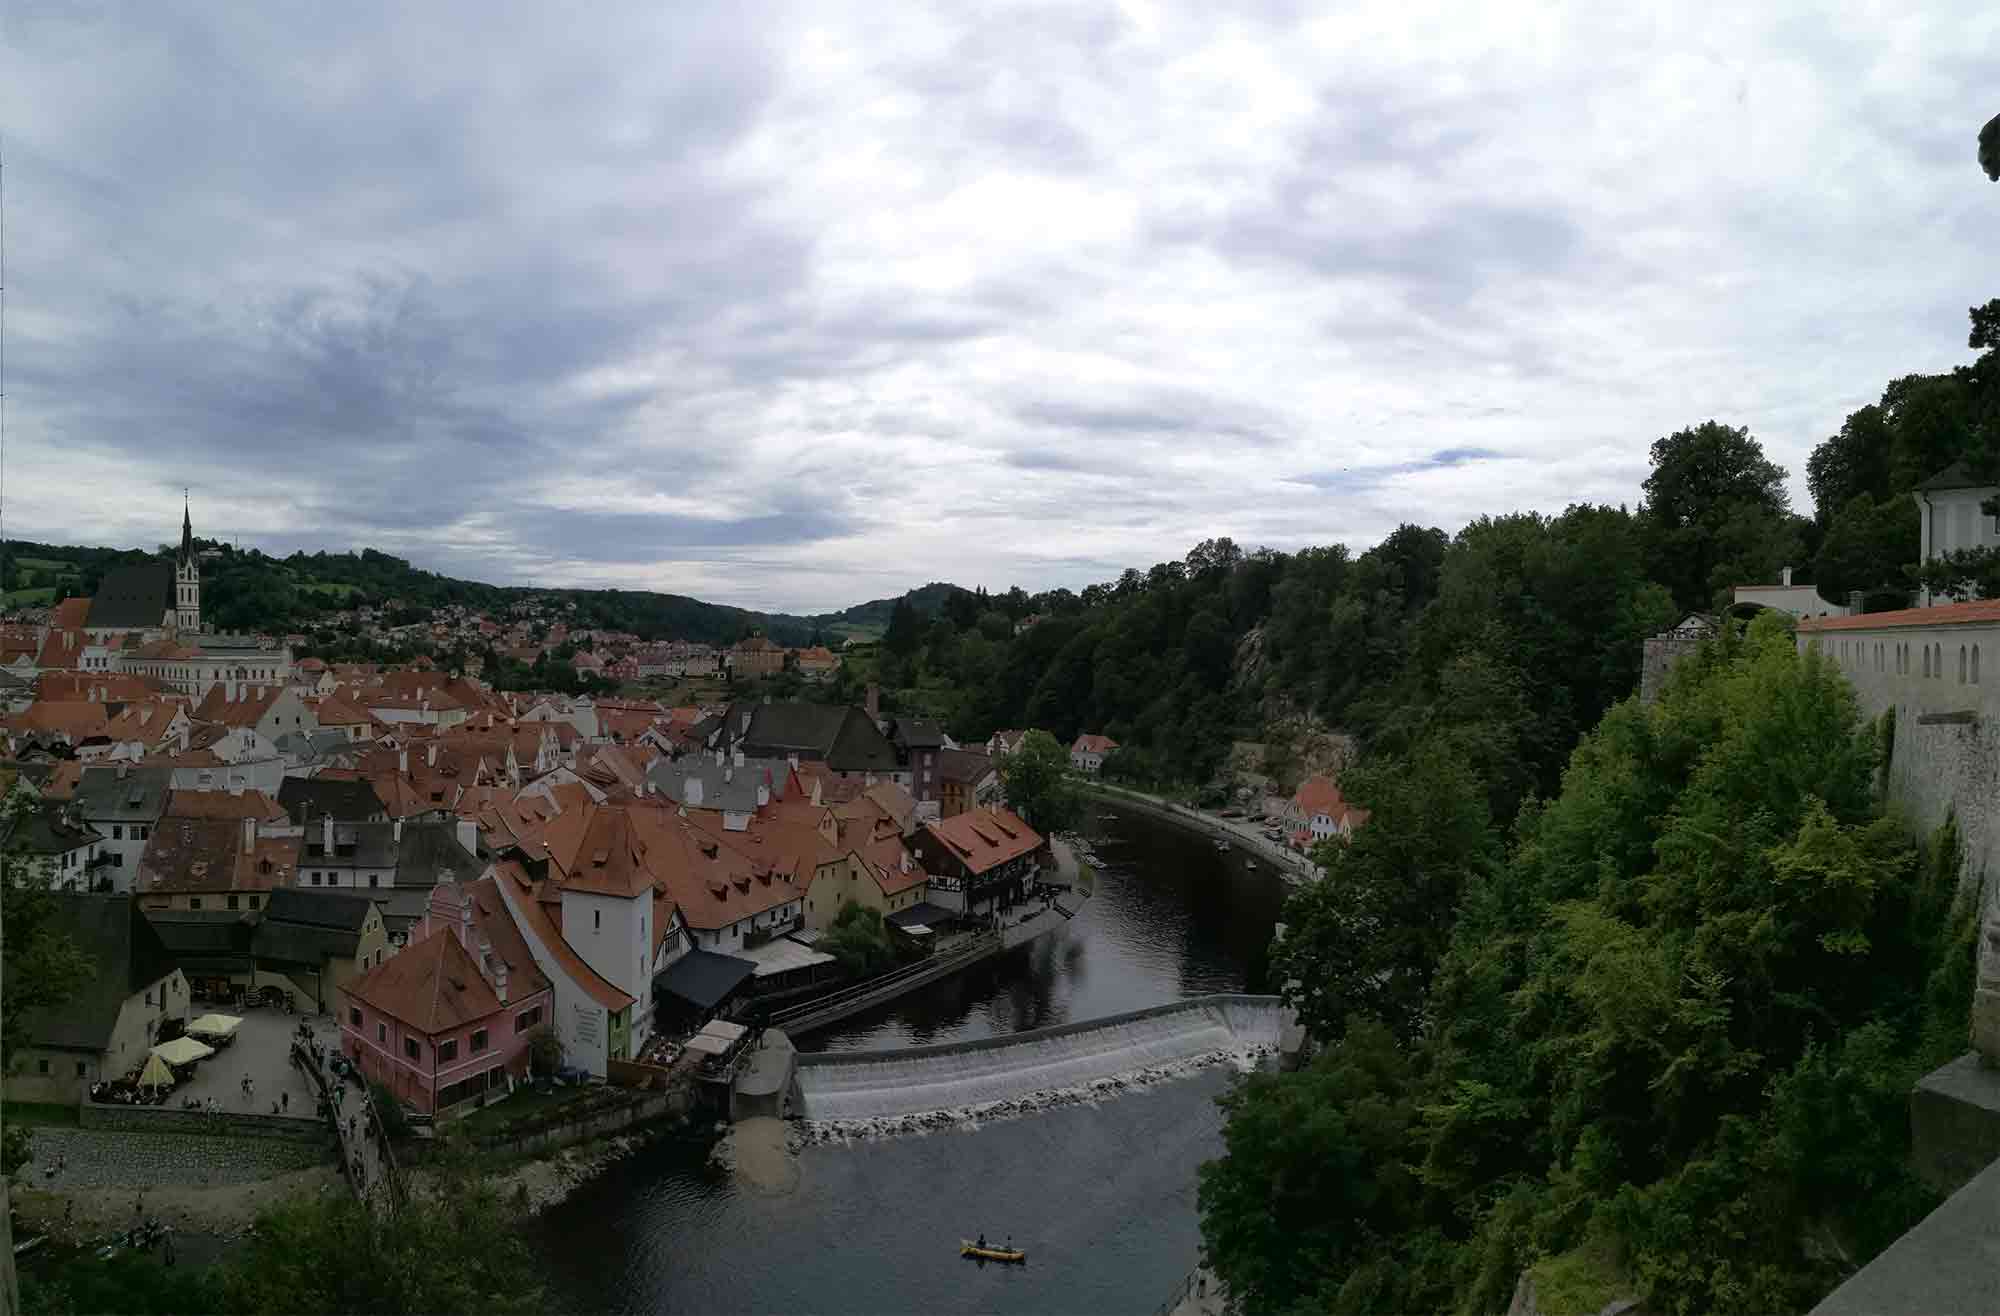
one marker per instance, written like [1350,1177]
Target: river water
[1102,1196]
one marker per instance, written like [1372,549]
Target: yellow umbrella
[156,1074]
[182,1051]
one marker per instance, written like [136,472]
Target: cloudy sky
[793,306]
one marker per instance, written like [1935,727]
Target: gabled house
[980,861]
[1087,753]
[269,710]
[53,840]
[449,1018]
[107,1028]
[122,804]
[1318,812]
[213,863]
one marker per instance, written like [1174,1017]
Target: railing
[976,948]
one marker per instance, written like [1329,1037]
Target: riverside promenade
[1293,866]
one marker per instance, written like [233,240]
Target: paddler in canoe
[981,1251]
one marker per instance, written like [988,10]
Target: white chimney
[500,981]
[403,761]
[468,835]
[326,832]
[249,835]
[691,791]
[793,759]
[815,794]
[396,831]
[737,758]
[465,919]
[431,755]
[763,794]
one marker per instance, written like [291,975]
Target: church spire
[187,531]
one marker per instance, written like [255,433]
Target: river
[1102,1196]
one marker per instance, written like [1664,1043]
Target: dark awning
[923,914]
[702,977]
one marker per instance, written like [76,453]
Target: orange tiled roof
[1944,614]
[984,838]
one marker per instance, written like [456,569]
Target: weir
[873,1085]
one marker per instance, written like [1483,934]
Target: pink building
[442,1021]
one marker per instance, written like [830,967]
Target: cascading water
[885,1091]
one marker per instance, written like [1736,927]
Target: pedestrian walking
[285,1101]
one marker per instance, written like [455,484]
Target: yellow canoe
[968,1248]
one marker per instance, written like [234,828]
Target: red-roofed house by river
[445,1020]
[979,861]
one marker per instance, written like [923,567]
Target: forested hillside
[1642,1018]
[1862,477]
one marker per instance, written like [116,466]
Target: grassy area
[47,564]
[494,1117]
[30,598]
[334,588]
[42,1114]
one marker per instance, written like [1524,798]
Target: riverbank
[76,1210]
[1293,867]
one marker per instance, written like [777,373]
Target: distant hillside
[868,620]
[247,590]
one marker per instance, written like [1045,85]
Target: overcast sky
[794,306]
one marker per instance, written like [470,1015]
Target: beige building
[107,1030]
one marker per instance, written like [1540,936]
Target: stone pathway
[107,1158]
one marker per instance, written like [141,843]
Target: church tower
[187,581]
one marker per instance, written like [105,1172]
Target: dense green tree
[455,1248]
[1717,513]
[1035,779]
[1869,546]
[1311,1178]
[859,940]
[1665,1048]
[1367,938]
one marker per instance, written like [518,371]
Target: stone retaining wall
[674,1103]
[224,1124]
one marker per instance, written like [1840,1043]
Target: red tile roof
[433,986]
[985,838]
[1944,614]
[1088,744]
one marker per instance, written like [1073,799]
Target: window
[315,879]
[42,1065]
[354,1015]
[374,879]
[1961,664]
[232,902]
[447,1050]
[381,1032]
[117,832]
[149,996]
[596,919]
[478,1041]
[82,1069]
[254,900]
[1927,660]
[194,902]
[527,1019]
[141,833]
[412,1049]
[1975,664]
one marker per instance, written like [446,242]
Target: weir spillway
[1026,1069]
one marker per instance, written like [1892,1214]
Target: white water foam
[918,1093]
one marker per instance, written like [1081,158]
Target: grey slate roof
[844,738]
[918,733]
[430,853]
[205,941]
[136,596]
[139,795]
[129,957]
[43,831]
[356,845]
[963,765]
[737,794]
[312,798]
[1955,476]
[342,910]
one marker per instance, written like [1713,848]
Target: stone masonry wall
[1661,653]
